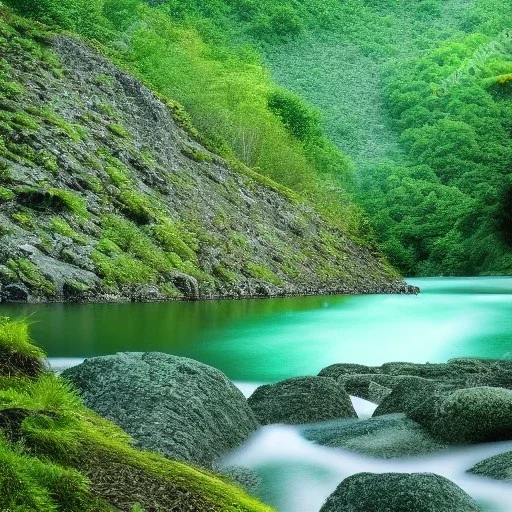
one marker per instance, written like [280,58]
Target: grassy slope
[372,67]
[56,455]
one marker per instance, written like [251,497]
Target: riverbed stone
[407,395]
[359,385]
[399,492]
[172,405]
[301,400]
[334,371]
[498,467]
[471,415]
[377,393]
[388,437]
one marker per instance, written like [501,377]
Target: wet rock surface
[388,437]
[172,405]
[399,492]
[301,400]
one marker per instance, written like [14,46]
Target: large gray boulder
[472,415]
[387,437]
[398,492]
[301,400]
[172,405]
[407,395]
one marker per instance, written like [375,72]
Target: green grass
[30,274]
[57,456]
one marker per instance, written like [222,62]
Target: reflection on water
[298,476]
[267,340]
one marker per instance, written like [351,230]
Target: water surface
[267,340]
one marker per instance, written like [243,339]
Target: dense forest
[402,108]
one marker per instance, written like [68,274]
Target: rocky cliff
[106,193]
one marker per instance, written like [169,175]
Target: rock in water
[172,405]
[388,437]
[498,467]
[301,400]
[472,415]
[407,395]
[398,492]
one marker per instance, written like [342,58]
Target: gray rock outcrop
[301,400]
[172,405]
[398,492]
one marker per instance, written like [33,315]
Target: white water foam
[305,474]
[59,364]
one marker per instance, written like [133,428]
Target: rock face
[107,194]
[388,437]
[301,400]
[407,395]
[472,415]
[498,467]
[175,406]
[360,380]
[396,492]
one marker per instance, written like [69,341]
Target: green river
[268,340]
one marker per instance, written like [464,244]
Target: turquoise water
[266,340]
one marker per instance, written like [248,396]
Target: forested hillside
[417,94]
[109,191]
[403,106]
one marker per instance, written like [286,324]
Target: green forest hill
[398,129]
[417,94]
[111,190]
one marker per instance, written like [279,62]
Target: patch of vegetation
[174,237]
[30,274]
[60,225]
[53,199]
[119,130]
[74,131]
[138,206]
[25,219]
[6,194]
[262,272]
[58,456]
[196,154]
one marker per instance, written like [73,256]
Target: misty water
[256,341]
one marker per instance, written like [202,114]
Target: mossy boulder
[359,384]
[172,405]
[472,415]
[399,492]
[407,395]
[301,400]
[334,371]
[388,437]
[377,393]
[498,467]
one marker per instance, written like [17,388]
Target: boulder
[16,292]
[407,395]
[359,385]
[498,467]
[337,370]
[399,492]
[172,405]
[471,415]
[387,437]
[301,400]
[377,393]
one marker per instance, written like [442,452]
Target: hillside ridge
[105,197]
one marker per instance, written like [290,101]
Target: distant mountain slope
[417,94]
[106,194]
